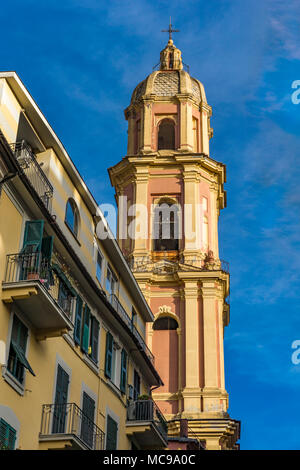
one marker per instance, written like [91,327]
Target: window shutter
[88,406]
[62,385]
[95,339]
[3,431]
[7,435]
[123,379]
[47,248]
[86,329]
[11,438]
[112,432]
[78,320]
[108,354]
[33,235]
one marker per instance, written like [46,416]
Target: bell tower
[169,193]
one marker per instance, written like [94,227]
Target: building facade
[169,177]
[75,369]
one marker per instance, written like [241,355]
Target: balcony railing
[32,266]
[69,420]
[32,170]
[123,314]
[143,344]
[145,411]
[120,309]
[165,264]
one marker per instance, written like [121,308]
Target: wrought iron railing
[193,435]
[147,410]
[33,171]
[143,344]
[69,419]
[34,267]
[123,314]
[120,309]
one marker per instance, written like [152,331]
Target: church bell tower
[170,193]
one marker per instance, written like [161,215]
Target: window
[7,436]
[111,433]
[195,134]
[136,385]
[166,227]
[86,330]
[72,216]
[61,399]
[17,362]
[112,360]
[36,251]
[110,281]
[137,135]
[66,292]
[64,298]
[99,266]
[165,323]
[166,135]
[133,317]
[88,414]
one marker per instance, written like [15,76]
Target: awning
[57,269]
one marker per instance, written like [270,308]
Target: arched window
[166,227]
[72,216]
[165,323]
[166,135]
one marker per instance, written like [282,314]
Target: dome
[170,80]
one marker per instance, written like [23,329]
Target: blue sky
[81,60]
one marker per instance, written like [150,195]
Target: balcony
[66,426]
[33,171]
[146,424]
[30,283]
[125,317]
[120,309]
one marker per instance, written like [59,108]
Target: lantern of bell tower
[170,193]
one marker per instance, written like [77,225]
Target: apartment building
[75,368]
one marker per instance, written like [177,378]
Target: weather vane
[170,30]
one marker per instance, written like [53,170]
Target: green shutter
[18,348]
[33,235]
[87,423]
[21,357]
[94,339]
[111,434]
[47,248]
[108,354]
[86,329]
[7,436]
[61,397]
[123,378]
[62,385]
[78,320]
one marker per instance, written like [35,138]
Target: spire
[170,56]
